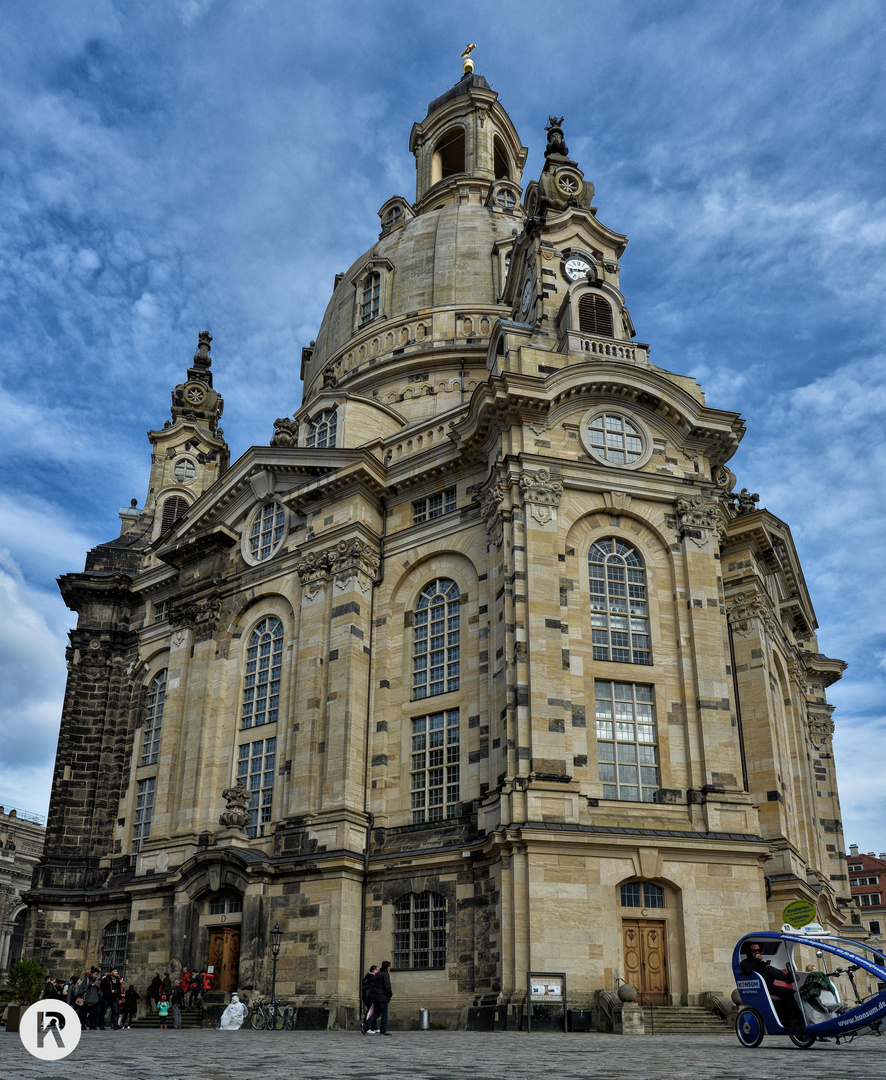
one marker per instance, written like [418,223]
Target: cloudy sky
[190,164]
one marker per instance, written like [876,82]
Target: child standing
[163,1010]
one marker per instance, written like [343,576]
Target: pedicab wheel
[257,1020]
[802,1040]
[749,1027]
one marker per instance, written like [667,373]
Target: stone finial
[202,359]
[746,503]
[556,141]
[285,432]
[235,814]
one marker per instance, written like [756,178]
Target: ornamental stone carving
[821,726]
[201,616]
[694,513]
[490,510]
[745,502]
[744,608]
[285,432]
[797,671]
[235,815]
[541,494]
[346,560]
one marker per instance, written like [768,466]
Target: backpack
[368,983]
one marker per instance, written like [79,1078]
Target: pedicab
[828,1009]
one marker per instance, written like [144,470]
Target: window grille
[114,939]
[153,720]
[256,768]
[266,531]
[627,751]
[642,894]
[370,299]
[434,506]
[321,433]
[144,811]
[420,931]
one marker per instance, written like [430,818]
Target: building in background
[21,845]
[484,664]
[867,884]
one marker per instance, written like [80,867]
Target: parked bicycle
[271,1016]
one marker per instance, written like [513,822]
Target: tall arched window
[619,603]
[114,938]
[420,931]
[173,508]
[370,298]
[153,720]
[435,643]
[595,315]
[266,531]
[449,155]
[500,164]
[321,432]
[261,685]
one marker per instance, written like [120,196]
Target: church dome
[443,260]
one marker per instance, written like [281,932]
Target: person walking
[176,1003]
[368,1024]
[196,988]
[163,1010]
[91,1000]
[381,994]
[130,1006]
[111,996]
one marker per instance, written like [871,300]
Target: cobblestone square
[435,1055]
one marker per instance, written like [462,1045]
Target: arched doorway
[644,941]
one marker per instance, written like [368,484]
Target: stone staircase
[191,1018]
[684,1020]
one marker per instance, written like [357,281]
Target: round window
[184,470]
[614,438]
[265,532]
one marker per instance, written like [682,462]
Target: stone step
[683,1020]
[191,1018]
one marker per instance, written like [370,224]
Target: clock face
[527,295]
[576,268]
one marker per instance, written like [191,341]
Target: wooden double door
[645,959]
[224,957]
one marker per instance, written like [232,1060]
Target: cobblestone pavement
[436,1055]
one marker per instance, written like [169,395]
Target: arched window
[321,433]
[500,164]
[17,940]
[449,155]
[153,720]
[642,894]
[266,531]
[173,508]
[420,931]
[370,298]
[114,938]
[595,315]
[435,643]
[619,604]
[627,750]
[261,686]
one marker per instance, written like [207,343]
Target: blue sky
[178,166]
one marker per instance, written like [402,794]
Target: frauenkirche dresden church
[485,665]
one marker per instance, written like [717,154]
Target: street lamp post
[44,952]
[276,938]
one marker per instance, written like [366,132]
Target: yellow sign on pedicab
[799,913]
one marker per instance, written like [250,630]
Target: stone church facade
[482,665]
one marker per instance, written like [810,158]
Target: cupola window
[321,433]
[173,509]
[449,155]
[500,162]
[595,315]
[370,298]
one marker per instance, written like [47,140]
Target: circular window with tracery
[507,200]
[614,438]
[184,470]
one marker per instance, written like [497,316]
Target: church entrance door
[224,957]
[645,960]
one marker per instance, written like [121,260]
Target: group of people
[377,994]
[96,997]
[101,1002]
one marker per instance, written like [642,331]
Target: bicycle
[289,1017]
[267,1016]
